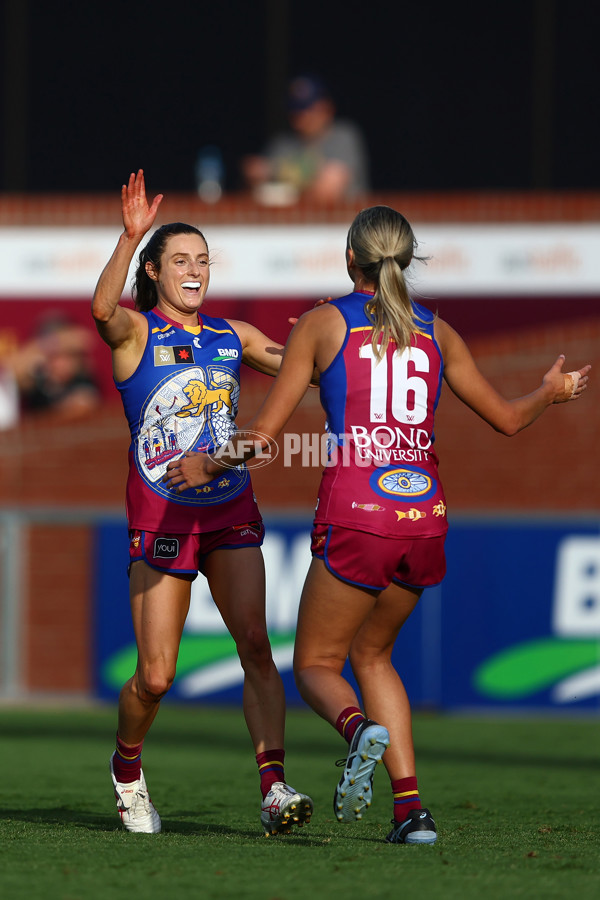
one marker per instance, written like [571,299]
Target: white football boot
[134,805]
[284,807]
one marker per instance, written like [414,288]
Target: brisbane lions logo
[201,397]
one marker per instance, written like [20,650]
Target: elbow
[101,313]
[508,427]
[98,313]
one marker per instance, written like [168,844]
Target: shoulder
[318,328]
[345,132]
[216,323]
[127,328]
[441,331]
[322,316]
[424,314]
[448,339]
[240,330]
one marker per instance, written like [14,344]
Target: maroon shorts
[373,561]
[184,554]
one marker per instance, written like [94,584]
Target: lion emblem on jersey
[201,396]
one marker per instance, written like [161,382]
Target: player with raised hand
[178,373]
[380,523]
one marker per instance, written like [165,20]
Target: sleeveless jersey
[184,396]
[382,475]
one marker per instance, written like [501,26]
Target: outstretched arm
[506,416]
[294,376]
[117,324]
[258,351]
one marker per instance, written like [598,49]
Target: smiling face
[182,278]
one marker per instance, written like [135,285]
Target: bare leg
[159,606]
[337,620]
[237,582]
[331,612]
[382,690]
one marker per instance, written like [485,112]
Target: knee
[309,672]
[300,678]
[154,681]
[254,648]
[362,659]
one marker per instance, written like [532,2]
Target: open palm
[138,216]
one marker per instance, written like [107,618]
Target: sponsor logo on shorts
[249,528]
[166,548]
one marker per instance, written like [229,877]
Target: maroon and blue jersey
[184,396]
[382,476]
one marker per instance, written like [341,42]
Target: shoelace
[141,798]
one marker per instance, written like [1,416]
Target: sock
[270,769]
[406,797]
[127,762]
[348,721]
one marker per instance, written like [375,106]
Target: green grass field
[516,802]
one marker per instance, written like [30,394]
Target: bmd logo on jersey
[403,484]
[225,354]
[166,548]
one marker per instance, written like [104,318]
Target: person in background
[321,158]
[9,389]
[54,370]
[178,373]
[380,523]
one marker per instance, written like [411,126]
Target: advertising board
[515,624]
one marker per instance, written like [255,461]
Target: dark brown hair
[144,288]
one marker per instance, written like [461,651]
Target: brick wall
[57,652]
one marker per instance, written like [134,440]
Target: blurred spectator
[9,392]
[321,158]
[53,372]
[9,399]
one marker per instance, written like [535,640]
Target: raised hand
[138,216]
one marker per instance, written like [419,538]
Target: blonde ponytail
[383,245]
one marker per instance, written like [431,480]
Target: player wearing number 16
[380,523]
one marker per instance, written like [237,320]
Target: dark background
[450,96]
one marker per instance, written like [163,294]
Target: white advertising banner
[308,261]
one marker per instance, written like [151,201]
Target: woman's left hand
[190,470]
[567,385]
